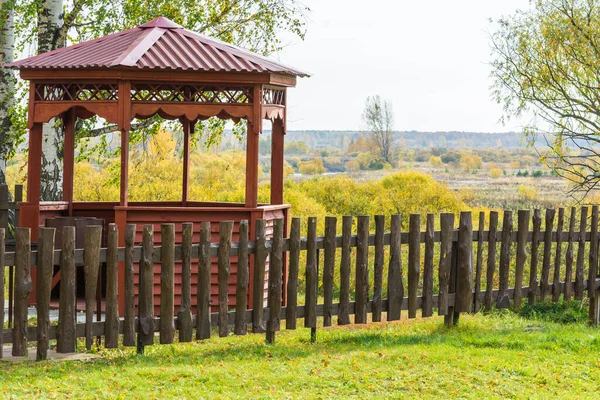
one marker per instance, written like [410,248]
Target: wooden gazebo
[157,68]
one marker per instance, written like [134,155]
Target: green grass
[502,355]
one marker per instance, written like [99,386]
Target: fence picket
[111,330]
[43,286]
[491,260]
[558,256]
[146,291]
[328,267]
[92,240]
[344,309]
[167,283]
[184,316]
[378,269]
[66,336]
[544,285]
[241,294]
[291,315]
[129,312]
[479,267]
[464,273]
[310,299]
[445,265]
[395,284]
[503,301]
[522,230]
[203,288]
[362,270]
[260,259]
[427,305]
[224,265]
[569,257]
[579,284]
[275,281]
[22,290]
[535,245]
[414,262]
[593,267]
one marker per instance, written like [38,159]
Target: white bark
[50,21]
[7,84]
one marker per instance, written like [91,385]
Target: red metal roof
[158,44]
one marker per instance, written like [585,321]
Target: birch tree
[7,83]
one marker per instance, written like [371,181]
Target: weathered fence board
[310,299]
[479,267]
[427,306]
[544,285]
[93,240]
[395,284]
[146,291]
[533,273]
[294,267]
[241,299]
[184,316]
[414,262]
[203,288]
[579,287]
[224,265]
[260,259]
[111,339]
[129,312]
[167,283]
[522,229]
[362,270]
[491,260]
[45,269]
[569,257]
[276,282]
[503,300]
[344,313]
[328,268]
[447,226]
[378,268]
[67,319]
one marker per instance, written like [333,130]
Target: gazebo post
[252,139]
[30,218]
[124,125]
[69,120]
[277,161]
[188,126]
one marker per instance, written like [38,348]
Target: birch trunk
[50,22]
[7,84]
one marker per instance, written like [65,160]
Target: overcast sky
[429,58]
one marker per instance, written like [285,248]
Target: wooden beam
[277,161]
[69,120]
[188,127]
[124,168]
[252,139]
[125,126]
[34,164]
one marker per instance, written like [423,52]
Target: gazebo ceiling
[156,45]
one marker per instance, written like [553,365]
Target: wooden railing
[380,260]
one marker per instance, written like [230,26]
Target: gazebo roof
[158,44]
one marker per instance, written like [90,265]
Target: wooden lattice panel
[76,92]
[147,92]
[273,96]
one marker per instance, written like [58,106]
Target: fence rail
[453,270]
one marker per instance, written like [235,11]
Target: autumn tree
[379,118]
[50,24]
[7,84]
[545,68]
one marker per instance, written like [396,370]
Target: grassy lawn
[495,356]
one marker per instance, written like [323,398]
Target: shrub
[312,167]
[435,161]
[528,193]
[495,173]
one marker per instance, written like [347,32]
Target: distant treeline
[412,139]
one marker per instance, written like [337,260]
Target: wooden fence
[462,284]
